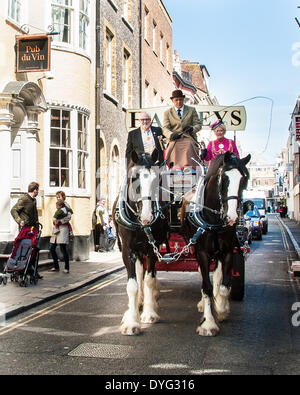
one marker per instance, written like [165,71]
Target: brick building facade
[156,51]
[119,88]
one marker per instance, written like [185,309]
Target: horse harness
[195,218]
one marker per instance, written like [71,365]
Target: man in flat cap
[180,126]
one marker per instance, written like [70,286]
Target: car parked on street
[261,206]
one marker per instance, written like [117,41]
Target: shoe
[66,271]
[53,270]
[39,276]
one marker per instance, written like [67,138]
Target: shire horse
[212,225]
[141,226]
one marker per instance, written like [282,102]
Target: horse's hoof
[149,318]
[130,330]
[222,316]
[207,332]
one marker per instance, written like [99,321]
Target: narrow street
[79,333]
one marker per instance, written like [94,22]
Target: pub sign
[297,126]
[33,53]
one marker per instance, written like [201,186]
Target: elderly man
[180,125]
[144,139]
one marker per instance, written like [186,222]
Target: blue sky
[247,47]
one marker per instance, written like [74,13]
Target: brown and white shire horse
[212,226]
[139,220]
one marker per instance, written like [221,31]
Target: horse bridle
[135,210]
[232,197]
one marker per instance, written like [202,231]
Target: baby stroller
[23,261]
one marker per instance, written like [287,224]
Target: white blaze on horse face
[233,189]
[147,176]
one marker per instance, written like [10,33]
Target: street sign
[234,117]
[297,127]
[33,53]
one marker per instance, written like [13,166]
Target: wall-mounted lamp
[48,75]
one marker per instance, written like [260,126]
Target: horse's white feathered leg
[217,279]
[140,280]
[222,305]
[149,315]
[131,320]
[208,327]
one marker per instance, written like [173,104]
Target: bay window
[68,150]
[61,11]
[71,19]
[14,10]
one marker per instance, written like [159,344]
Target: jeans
[63,248]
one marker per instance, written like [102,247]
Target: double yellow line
[26,320]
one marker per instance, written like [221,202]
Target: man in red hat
[180,126]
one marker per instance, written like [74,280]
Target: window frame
[87,18]
[76,31]
[154,29]
[108,61]
[146,17]
[126,77]
[73,189]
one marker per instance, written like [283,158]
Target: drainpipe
[97,101]
[140,54]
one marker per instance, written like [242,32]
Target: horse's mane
[214,166]
[232,162]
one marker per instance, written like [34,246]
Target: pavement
[15,299]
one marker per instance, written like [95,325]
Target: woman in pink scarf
[220,145]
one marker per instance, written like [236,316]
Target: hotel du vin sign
[33,53]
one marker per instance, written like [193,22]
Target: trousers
[64,251]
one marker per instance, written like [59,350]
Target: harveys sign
[234,117]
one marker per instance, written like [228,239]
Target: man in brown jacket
[180,126]
[24,211]
[180,118]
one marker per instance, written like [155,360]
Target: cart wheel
[4,279]
[1,279]
[238,277]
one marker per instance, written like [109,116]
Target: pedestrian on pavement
[102,223]
[60,195]
[181,124]
[111,235]
[145,139]
[62,237]
[25,211]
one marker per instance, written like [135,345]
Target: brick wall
[125,34]
[156,68]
